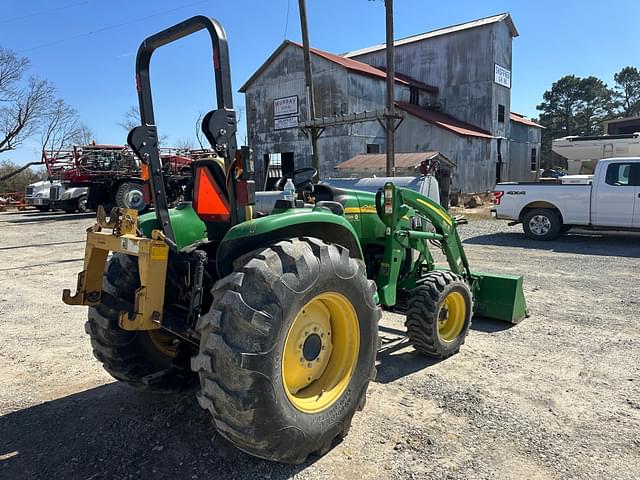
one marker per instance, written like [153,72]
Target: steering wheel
[300,177]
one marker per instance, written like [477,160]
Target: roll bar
[219,126]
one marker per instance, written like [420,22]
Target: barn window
[414,96]
[501,113]
[534,159]
[373,148]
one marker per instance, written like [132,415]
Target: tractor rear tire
[439,315]
[130,356]
[277,388]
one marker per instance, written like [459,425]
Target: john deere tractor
[270,312]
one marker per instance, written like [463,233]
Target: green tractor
[271,315]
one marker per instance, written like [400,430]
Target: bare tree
[25,107]
[239,113]
[200,138]
[12,68]
[184,144]
[61,127]
[85,135]
[130,119]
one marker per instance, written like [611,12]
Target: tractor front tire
[130,356]
[288,349]
[439,314]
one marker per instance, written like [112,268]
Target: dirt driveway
[557,396]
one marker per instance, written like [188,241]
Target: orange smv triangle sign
[209,202]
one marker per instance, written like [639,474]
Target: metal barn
[452,84]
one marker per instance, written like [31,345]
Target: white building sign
[285,106]
[285,122]
[503,76]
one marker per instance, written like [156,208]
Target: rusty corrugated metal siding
[457,115]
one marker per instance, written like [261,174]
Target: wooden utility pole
[391,73]
[308,80]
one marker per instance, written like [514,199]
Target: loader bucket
[500,297]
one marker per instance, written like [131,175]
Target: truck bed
[572,200]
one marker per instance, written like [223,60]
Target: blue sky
[87,48]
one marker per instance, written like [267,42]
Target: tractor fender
[293,223]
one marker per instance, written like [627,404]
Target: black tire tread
[554,218]
[227,358]
[421,321]
[121,353]
[122,190]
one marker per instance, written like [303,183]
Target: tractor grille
[55,192]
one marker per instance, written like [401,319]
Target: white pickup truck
[610,200]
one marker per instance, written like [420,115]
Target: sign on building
[285,122]
[285,106]
[285,112]
[502,76]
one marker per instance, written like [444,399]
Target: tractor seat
[328,193]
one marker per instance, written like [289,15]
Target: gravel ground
[557,396]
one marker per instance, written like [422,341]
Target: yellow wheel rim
[165,343]
[452,316]
[320,352]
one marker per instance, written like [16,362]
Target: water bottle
[290,191]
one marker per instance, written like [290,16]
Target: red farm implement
[12,200]
[114,176]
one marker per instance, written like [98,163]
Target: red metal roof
[366,69]
[349,64]
[516,117]
[444,120]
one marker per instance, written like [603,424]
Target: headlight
[65,196]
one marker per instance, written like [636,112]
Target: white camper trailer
[582,153]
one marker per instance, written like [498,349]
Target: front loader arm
[402,211]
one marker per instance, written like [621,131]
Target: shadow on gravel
[51,217]
[394,360]
[114,431]
[614,244]
[489,325]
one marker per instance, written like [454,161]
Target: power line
[42,12]
[111,27]
[286,23]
